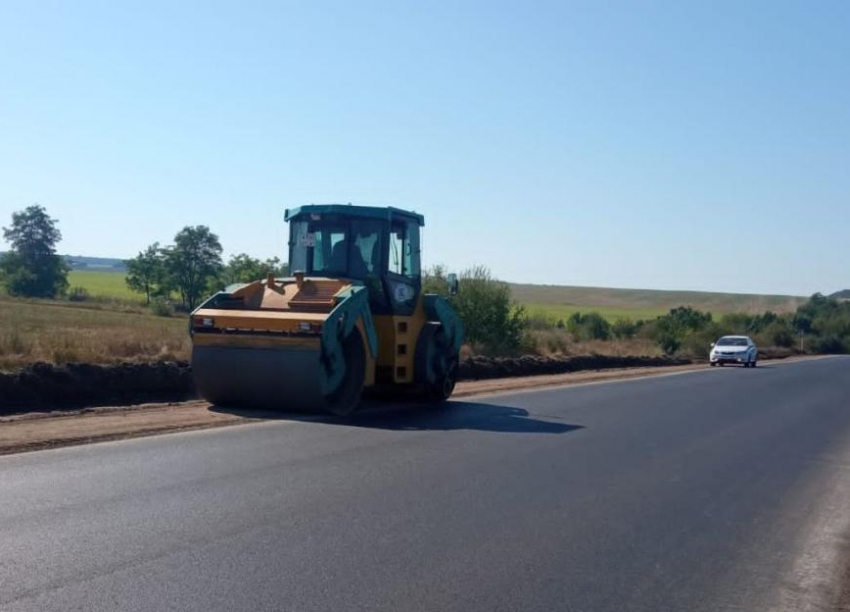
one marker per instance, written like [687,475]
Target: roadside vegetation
[32,268]
[53,314]
[62,332]
[184,273]
[499,325]
[562,301]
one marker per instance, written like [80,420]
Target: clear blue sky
[679,145]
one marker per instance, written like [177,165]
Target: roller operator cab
[352,316]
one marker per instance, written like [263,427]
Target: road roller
[351,317]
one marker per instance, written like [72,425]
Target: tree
[435,280]
[490,317]
[672,329]
[243,268]
[146,272]
[32,268]
[193,261]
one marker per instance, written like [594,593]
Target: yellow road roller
[351,317]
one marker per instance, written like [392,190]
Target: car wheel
[713,364]
[753,364]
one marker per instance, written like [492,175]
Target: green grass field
[557,311]
[103,284]
[561,302]
[557,302]
[116,326]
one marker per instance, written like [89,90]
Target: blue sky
[669,145]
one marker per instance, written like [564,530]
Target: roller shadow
[412,416]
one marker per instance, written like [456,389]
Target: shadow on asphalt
[415,416]
[740,367]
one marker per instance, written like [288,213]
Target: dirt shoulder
[40,430]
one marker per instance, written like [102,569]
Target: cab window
[330,252]
[403,256]
[365,249]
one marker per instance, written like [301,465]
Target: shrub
[668,342]
[162,307]
[697,344]
[78,294]
[491,319]
[780,334]
[624,329]
[590,326]
[829,344]
[671,330]
[541,321]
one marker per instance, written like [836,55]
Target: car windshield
[732,342]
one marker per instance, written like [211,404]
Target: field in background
[554,301]
[561,302]
[555,312]
[103,284]
[61,332]
[115,326]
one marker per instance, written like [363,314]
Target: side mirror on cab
[711,345]
[453,283]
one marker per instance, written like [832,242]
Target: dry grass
[560,342]
[36,330]
[548,342]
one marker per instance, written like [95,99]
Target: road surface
[726,489]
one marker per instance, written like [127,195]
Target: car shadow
[412,416]
[740,367]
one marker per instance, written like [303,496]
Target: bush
[590,326]
[669,342]
[672,329]
[780,334]
[697,344]
[162,307]
[624,329]
[829,344]
[541,321]
[828,320]
[492,321]
[78,294]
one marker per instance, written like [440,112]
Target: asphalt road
[723,489]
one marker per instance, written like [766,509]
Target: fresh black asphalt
[687,492]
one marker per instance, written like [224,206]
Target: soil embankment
[74,385]
[44,385]
[53,426]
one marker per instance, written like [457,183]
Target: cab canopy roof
[369,212]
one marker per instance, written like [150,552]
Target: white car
[734,349]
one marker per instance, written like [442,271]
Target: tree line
[189,269]
[192,268]
[820,325]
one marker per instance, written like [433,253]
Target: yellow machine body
[313,343]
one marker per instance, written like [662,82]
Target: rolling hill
[95,264]
[561,301]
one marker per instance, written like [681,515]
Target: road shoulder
[37,431]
